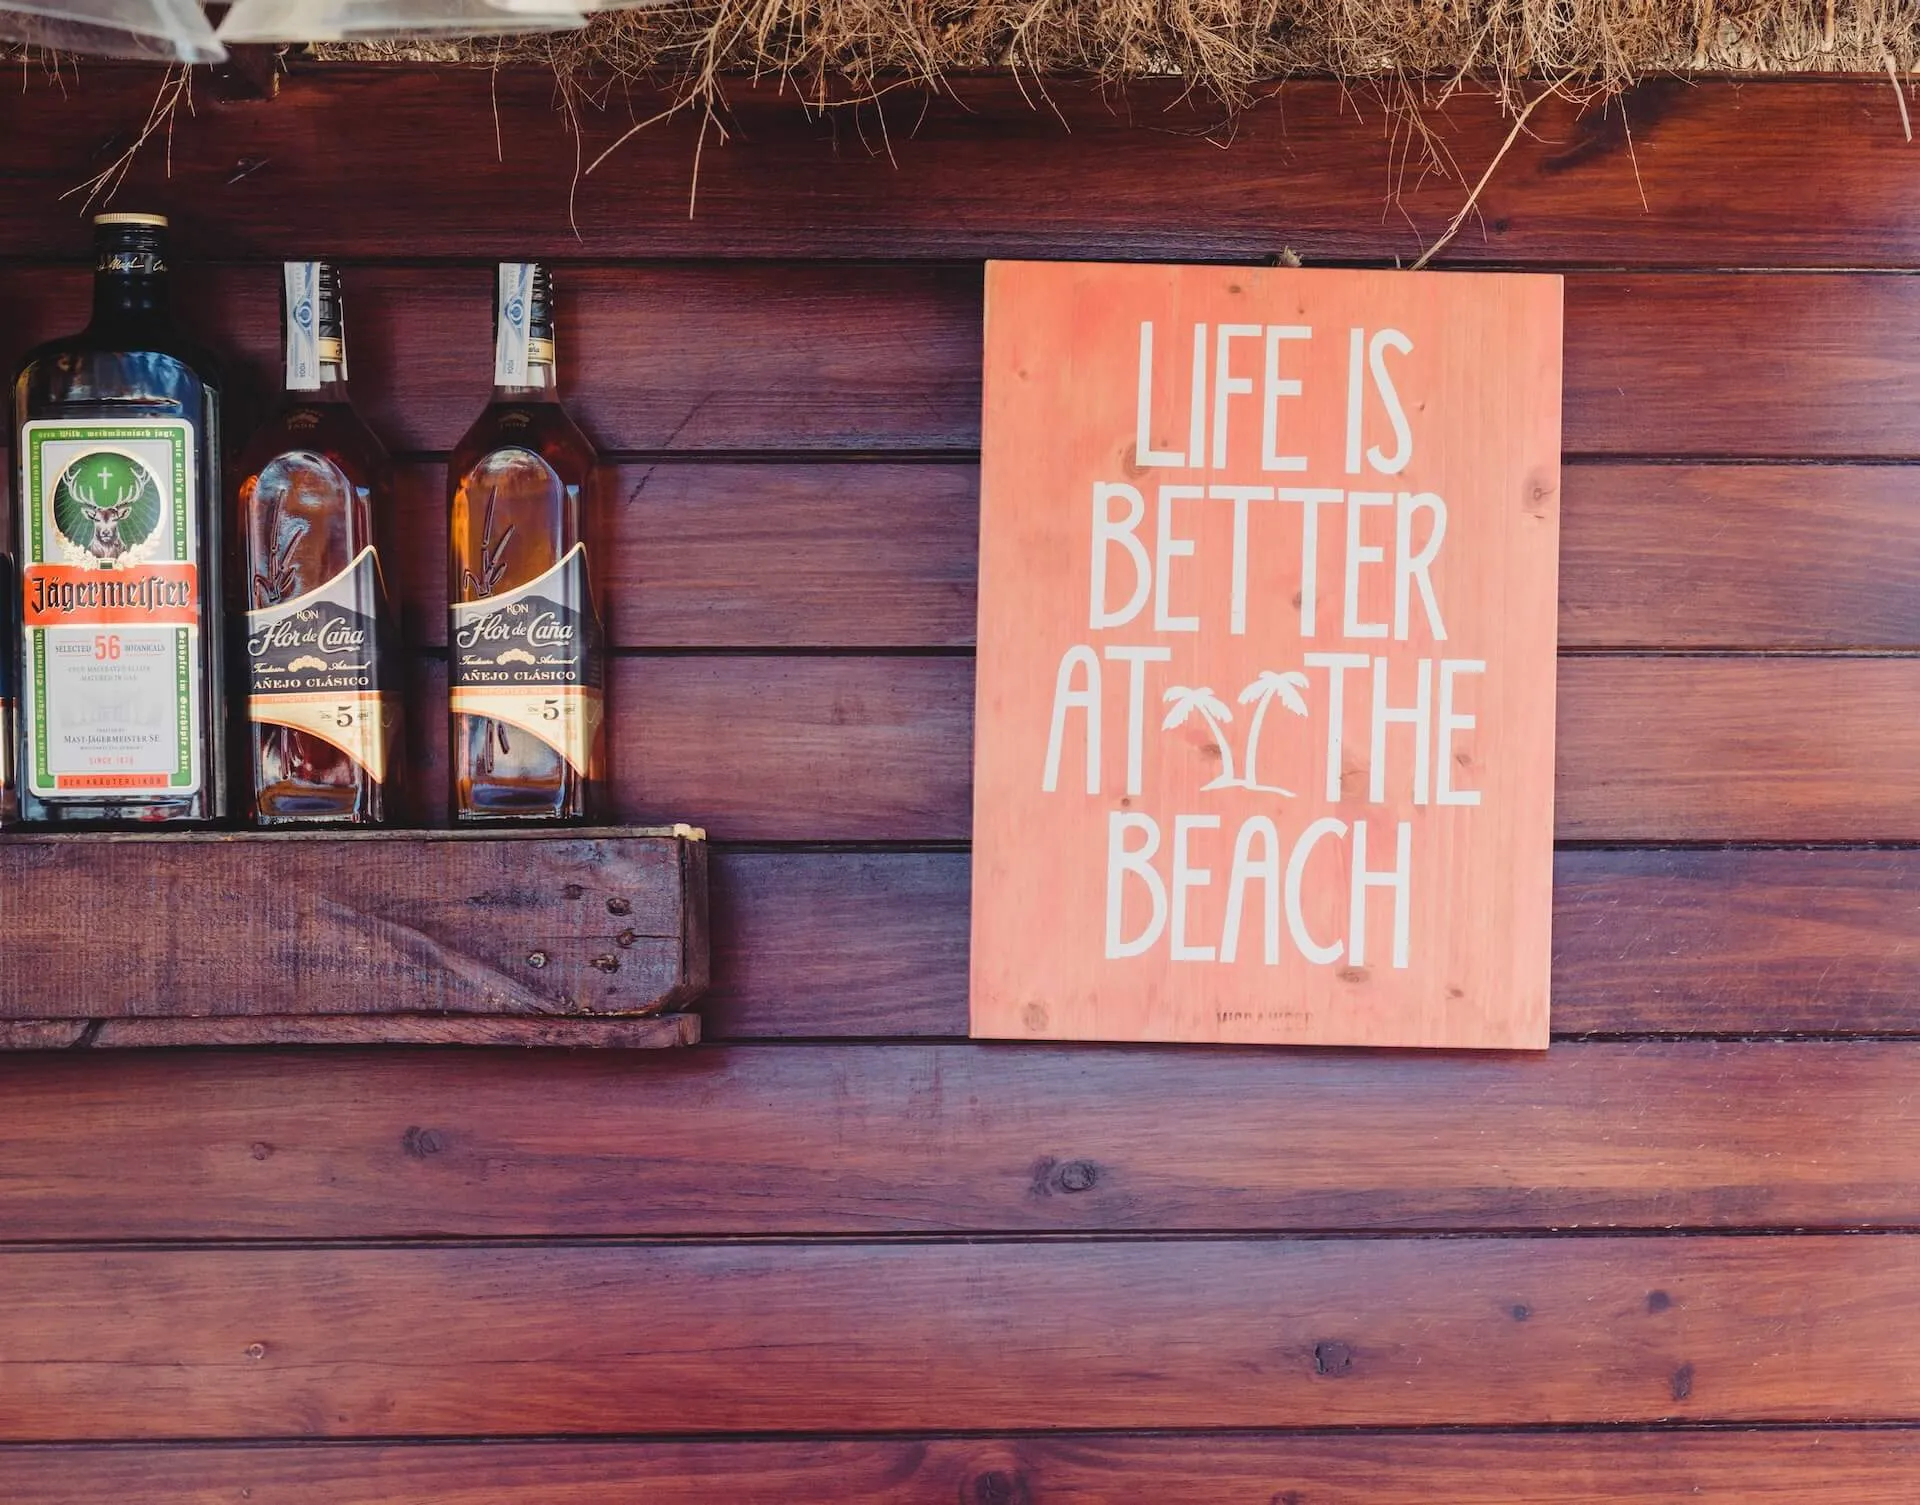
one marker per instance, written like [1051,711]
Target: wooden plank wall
[840,1253]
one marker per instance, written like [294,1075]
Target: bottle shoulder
[543,428]
[87,371]
[331,428]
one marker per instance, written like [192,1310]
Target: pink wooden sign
[1264,742]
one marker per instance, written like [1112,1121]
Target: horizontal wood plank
[796,357]
[778,555]
[771,748]
[1722,941]
[956,1139]
[655,1032]
[370,163]
[1636,1467]
[786,356]
[1787,749]
[885,555]
[803,748]
[1736,941]
[328,925]
[520,1341]
[1739,556]
[898,963]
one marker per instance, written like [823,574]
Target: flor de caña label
[1268,579]
[110,608]
[530,657]
[315,662]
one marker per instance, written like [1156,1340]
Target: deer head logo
[106,504]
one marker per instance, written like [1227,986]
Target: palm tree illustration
[1210,708]
[1267,687]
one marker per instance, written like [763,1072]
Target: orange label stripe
[143,595]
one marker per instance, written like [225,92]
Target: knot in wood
[1332,1359]
[536,959]
[419,1143]
[620,906]
[605,962]
[998,1487]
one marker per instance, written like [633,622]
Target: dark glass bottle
[117,536]
[321,653]
[9,630]
[525,646]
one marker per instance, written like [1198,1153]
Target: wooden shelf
[590,937]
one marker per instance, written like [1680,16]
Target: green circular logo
[106,503]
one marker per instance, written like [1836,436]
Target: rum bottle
[117,537]
[525,645]
[322,658]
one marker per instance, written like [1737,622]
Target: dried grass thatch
[1226,47]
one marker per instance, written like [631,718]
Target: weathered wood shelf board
[590,938]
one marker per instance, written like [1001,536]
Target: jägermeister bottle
[525,647]
[322,662]
[9,630]
[117,537]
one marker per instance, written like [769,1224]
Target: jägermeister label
[314,663]
[110,608]
[531,657]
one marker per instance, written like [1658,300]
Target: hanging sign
[1264,742]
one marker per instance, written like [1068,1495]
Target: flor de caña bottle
[117,542]
[525,646]
[323,670]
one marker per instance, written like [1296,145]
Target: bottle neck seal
[130,270]
[523,356]
[315,327]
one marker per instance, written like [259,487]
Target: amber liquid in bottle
[319,644]
[118,623]
[525,643]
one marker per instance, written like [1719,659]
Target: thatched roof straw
[1224,46]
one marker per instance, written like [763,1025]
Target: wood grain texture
[655,1032]
[773,356]
[768,748]
[956,1139]
[1734,941]
[1787,749]
[1724,941]
[786,554]
[898,963]
[363,163]
[771,555]
[814,416]
[463,1341]
[330,925]
[1635,1467]
[795,358]
[1739,556]
[776,748]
